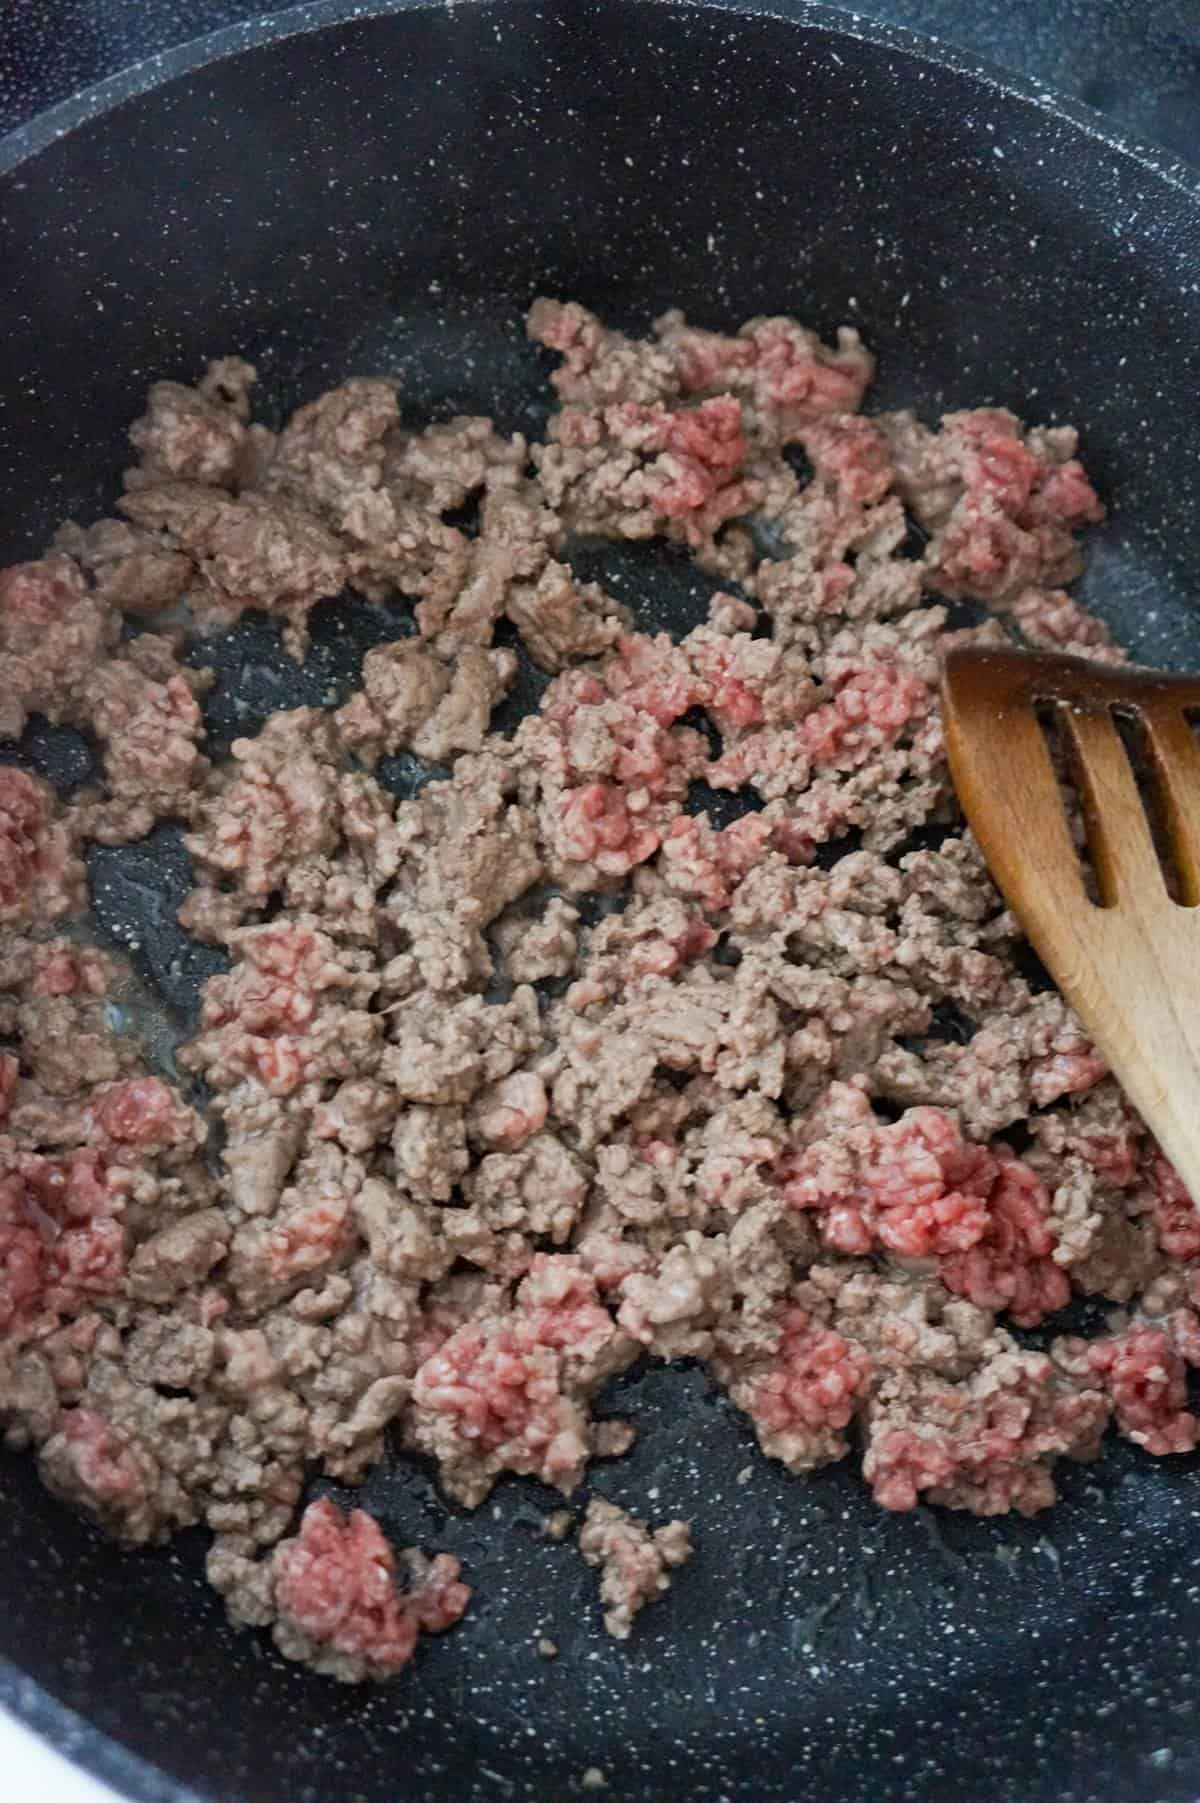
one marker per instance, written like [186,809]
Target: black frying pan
[328,194]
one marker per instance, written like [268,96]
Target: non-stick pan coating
[387,193]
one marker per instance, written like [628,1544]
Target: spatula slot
[1135,736]
[1110,757]
[1174,755]
[1049,711]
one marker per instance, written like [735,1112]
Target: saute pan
[385,187]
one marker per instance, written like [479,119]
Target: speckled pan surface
[1137,64]
[388,191]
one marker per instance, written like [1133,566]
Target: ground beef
[509,1392]
[53,634]
[61,657]
[987,1443]
[561,620]
[635,470]
[143,708]
[194,434]
[339,1607]
[681,1021]
[290,1014]
[785,374]
[41,876]
[412,700]
[634,1561]
[251,550]
[273,805]
[1002,505]
[129,571]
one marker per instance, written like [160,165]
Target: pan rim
[89,1748]
[46,128]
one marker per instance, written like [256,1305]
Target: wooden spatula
[1128,962]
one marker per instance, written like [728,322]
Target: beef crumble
[633,1560]
[483,1145]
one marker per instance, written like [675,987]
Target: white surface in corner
[34,1773]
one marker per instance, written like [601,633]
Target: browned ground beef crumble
[730,1124]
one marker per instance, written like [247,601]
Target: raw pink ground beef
[786,1105]
[338,1601]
